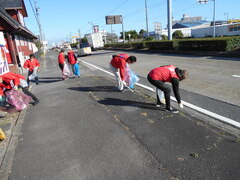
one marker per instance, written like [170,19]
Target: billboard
[116,19]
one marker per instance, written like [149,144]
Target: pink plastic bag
[18,99]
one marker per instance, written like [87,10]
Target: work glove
[124,83]
[180,105]
[15,88]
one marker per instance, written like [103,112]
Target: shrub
[160,45]
[177,35]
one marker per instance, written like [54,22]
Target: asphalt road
[210,84]
[82,129]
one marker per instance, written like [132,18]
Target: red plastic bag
[18,99]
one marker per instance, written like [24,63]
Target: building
[221,30]
[16,41]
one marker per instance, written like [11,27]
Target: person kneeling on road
[118,66]
[12,80]
[168,73]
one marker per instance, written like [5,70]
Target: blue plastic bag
[76,69]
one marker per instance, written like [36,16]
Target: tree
[177,34]
[133,34]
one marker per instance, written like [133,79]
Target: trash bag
[76,69]
[23,83]
[160,95]
[66,72]
[34,74]
[130,77]
[18,99]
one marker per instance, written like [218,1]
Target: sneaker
[36,102]
[159,104]
[37,83]
[171,110]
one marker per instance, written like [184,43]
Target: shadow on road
[49,79]
[121,102]
[94,88]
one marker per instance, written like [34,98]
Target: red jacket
[31,64]
[164,73]
[119,62]
[10,80]
[71,57]
[61,58]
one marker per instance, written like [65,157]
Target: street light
[214,13]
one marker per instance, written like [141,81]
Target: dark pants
[61,66]
[36,78]
[27,92]
[160,85]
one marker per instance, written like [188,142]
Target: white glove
[15,88]
[180,105]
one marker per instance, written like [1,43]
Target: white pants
[116,73]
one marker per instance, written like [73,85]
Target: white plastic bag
[66,72]
[23,83]
[160,94]
[34,74]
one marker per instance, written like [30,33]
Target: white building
[221,30]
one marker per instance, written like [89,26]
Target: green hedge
[160,45]
[203,44]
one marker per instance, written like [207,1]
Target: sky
[62,19]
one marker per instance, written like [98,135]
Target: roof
[20,30]
[11,4]
[189,24]
[14,4]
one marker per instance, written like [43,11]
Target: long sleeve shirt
[10,80]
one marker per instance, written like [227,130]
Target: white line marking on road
[236,76]
[204,111]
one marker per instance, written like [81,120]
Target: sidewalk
[8,122]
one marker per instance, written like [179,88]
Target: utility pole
[124,38]
[38,21]
[79,34]
[169,19]
[214,13]
[146,18]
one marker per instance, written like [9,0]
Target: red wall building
[15,39]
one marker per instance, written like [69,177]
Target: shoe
[36,102]
[171,110]
[37,83]
[159,104]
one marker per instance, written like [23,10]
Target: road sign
[117,19]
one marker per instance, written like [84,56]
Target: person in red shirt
[118,65]
[12,80]
[72,60]
[32,65]
[61,59]
[167,73]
